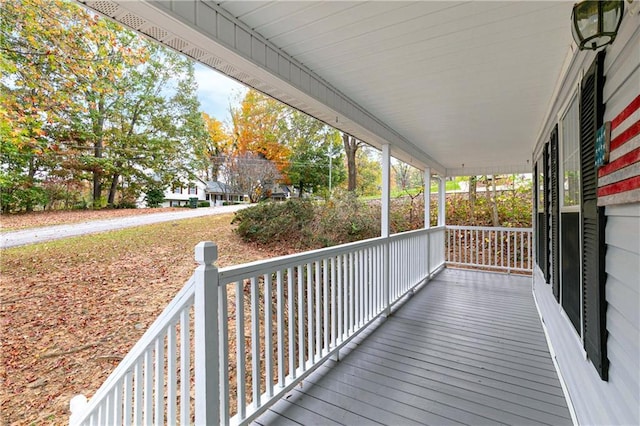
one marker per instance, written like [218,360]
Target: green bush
[275,222]
[345,218]
[305,224]
[24,195]
[126,204]
[154,197]
[204,204]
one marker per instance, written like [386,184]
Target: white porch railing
[259,328]
[490,248]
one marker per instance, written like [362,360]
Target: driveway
[56,232]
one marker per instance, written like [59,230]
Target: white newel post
[427,215]
[77,405]
[385,223]
[207,362]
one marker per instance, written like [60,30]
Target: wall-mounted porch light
[595,23]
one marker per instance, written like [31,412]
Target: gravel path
[56,232]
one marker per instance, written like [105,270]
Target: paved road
[56,232]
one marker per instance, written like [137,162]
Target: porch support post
[427,198]
[206,362]
[441,201]
[386,189]
[385,224]
[427,220]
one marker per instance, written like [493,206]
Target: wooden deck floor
[468,348]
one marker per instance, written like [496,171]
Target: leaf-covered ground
[10,222]
[71,309]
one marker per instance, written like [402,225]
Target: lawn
[72,308]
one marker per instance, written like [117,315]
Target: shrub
[303,223]
[273,222]
[125,204]
[204,204]
[345,218]
[154,197]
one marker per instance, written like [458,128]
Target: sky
[215,92]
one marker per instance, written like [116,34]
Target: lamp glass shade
[596,23]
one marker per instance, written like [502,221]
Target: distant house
[178,195]
[218,192]
[282,192]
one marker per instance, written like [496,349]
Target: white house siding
[616,401]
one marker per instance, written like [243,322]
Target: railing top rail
[170,313]
[409,234]
[489,228]
[234,273]
[231,274]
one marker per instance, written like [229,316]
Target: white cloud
[215,91]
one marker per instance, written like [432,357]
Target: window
[540,167]
[570,125]
[193,190]
[570,231]
[177,190]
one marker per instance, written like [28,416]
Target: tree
[369,177]
[154,125]
[251,174]
[154,197]
[312,143]
[108,106]
[70,61]
[211,150]
[258,123]
[351,146]
[490,192]
[406,176]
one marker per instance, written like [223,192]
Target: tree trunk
[473,186]
[113,189]
[494,203]
[32,173]
[98,126]
[351,146]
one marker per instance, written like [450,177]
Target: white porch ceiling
[447,84]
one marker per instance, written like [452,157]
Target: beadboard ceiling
[461,87]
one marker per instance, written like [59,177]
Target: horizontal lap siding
[615,401]
[622,236]
[623,313]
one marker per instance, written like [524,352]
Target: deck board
[468,348]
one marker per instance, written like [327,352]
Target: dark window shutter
[547,216]
[555,213]
[593,221]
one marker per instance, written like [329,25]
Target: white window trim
[575,95]
[563,113]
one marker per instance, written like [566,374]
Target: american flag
[619,180]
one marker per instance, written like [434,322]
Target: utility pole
[331,153]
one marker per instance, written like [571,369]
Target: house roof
[461,87]
[218,187]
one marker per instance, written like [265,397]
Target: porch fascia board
[206,32]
